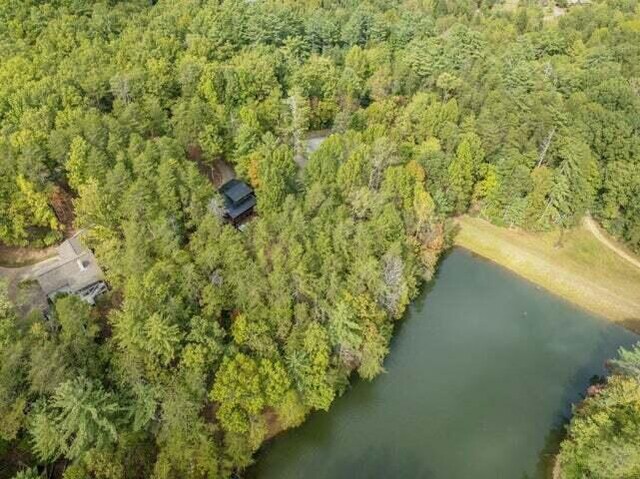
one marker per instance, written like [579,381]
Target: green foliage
[25,208]
[74,472]
[31,473]
[80,415]
[186,442]
[604,435]
[239,390]
[13,397]
[309,365]
[463,170]
[276,176]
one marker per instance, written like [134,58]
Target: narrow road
[591,225]
[24,272]
[15,275]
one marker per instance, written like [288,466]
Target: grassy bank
[583,270]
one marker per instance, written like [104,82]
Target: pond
[481,377]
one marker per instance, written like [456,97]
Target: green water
[480,378]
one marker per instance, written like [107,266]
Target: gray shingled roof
[74,269]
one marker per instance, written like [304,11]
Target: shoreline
[555,294]
[583,271]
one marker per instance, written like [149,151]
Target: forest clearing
[582,270]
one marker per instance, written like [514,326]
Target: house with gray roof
[74,271]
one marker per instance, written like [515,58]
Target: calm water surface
[481,372]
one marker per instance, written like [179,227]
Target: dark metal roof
[236,210]
[235,191]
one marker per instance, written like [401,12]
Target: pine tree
[461,176]
[81,415]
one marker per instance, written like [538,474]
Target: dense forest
[604,435]
[213,339]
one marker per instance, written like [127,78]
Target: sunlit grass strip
[582,270]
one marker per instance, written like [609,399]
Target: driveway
[25,296]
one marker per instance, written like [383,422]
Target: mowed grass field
[583,270]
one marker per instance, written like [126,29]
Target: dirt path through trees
[591,225]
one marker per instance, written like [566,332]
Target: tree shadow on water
[574,391]
[418,304]
[546,457]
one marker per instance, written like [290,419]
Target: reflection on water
[480,383]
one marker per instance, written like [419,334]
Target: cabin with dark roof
[239,201]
